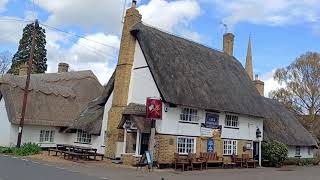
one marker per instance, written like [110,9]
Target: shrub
[274,151]
[301,161]
[6,150]
[27,149]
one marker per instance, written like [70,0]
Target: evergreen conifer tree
[23,53]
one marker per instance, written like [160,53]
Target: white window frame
[230,147]
[298,153]
[46,136]
[186,145]
[233,122]
[189,115]
[83,137]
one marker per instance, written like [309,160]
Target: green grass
[26,149]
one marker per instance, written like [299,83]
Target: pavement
[30,169]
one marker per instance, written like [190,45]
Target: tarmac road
[19,169]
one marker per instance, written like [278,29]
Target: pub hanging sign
[154,108]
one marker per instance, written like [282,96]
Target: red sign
[154,109]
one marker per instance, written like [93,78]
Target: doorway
[144,143]
[256,150]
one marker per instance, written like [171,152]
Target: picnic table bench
[55,150]
[76,152]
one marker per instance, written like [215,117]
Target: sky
[280,30]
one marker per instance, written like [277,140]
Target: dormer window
[232,121]
[189,115]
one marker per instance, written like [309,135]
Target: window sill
[82,143]
[46,143]
[229,127]
[189,122]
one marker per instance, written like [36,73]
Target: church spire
[249,67]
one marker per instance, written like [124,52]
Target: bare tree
[302,85]
[5,59]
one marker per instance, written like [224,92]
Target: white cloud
[3,4]
[11,29]
[168,15]
[105,15]
[271,12]
[84,54]
[269,83]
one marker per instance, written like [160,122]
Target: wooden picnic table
[78,152]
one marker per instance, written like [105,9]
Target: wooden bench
[94,155]
[73,155]
[229,165]
[211,158]
[55,150]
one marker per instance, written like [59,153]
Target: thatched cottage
[202,91]
[55,101]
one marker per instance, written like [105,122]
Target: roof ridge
[181,37]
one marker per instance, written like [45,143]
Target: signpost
[154,112]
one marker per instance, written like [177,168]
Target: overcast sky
[280,30]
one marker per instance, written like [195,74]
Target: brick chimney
[228,40]
[23,69]
[122,80]
[63,67]
[259,85]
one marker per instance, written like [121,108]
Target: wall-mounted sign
[154,109]
[210,145]
[212,120]
[206,132]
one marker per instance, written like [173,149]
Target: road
[16,169]
[19,169]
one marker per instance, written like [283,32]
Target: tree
[23,53]
[4,62]
[302,85]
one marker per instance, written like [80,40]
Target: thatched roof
[190,74]
[282,125]
[136,113]
[54,99]
[90,119]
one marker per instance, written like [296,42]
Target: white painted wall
[5,125]
[142,84]
[171,125]
[303,152]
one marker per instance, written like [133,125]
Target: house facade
[197,86]
[55,101]
[209,102]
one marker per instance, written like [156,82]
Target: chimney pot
[256,77]
[134,3]
[63,67]
[23,69]
[228,41]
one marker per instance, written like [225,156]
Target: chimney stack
[228,40]
[63,67]
[23,69]
[259,85]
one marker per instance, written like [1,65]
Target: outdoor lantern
[258,133]
[127,125]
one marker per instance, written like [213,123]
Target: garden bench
[55,150]
[211,158]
